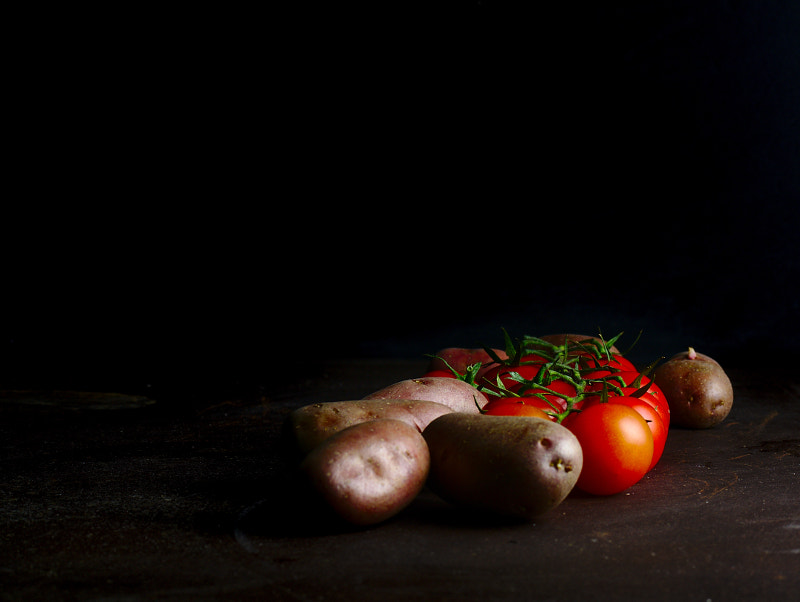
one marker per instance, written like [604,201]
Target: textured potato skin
[699,393]
[312,424]
[455,394]
[510,465]
[369,472]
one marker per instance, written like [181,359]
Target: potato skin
[699,393]
[455,394]
[370,471]
[310,425]
[510,465]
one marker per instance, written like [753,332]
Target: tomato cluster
[619,415]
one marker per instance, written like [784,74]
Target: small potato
[456,394]
[312,424]
[510,465]
[699,393]
[370,471]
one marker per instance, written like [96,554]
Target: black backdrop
[213,202]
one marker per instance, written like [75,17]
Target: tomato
[444,373]
[618,363]
[617,447]
[628,377]
[651,416]
[654,396]
[562,389]
[513,407]
[489,378]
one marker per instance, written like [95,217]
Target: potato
[370,471]
[455,394]
[312,424]
[509,465]
[698,391]
[460,358]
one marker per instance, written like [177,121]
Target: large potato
[510,465]
[456,394]
[370,471]
[312,424]
[699,393]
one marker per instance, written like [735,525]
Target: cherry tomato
[512,407]
[617,447]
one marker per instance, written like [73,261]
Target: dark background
[212,204]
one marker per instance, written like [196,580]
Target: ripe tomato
[513,407]
[444,373]
[617,447]
[646,411]
[654,396]
[489,378]
[618,363]
[562,390]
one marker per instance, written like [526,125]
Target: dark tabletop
[105,497]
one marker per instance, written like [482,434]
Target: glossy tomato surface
[651,417]
[617,447]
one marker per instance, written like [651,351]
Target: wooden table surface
[125,500]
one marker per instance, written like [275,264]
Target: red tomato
[654,396]
[444,373]
[512,407]
[562,388]
[651,416]
[617,363]
[617,447]
[489,378]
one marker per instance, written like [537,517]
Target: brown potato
[699,393]
[510,465]
[370,471]
[455,394]
[312,424]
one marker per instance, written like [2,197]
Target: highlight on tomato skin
[617,447]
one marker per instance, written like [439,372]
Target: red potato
[699,393]
[310,425]
[460,358]
[370,471]
[456,394]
